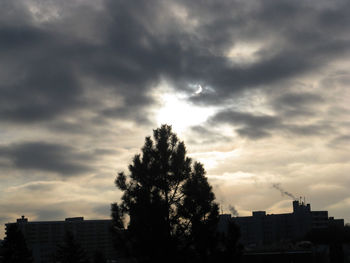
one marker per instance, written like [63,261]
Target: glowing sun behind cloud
[176,111]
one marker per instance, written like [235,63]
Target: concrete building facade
[43,237]
[263,229]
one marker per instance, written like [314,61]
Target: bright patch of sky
[175,108]
[243,53]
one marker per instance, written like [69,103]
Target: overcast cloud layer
[83,82]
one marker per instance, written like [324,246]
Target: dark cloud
[79,127]
[256,126]
[234,117]
[49,157]
[252,133]
[20,37]
[297,45]
[314,129]
[203,135]
[297,104]
[40,187]
[341,141]
[42,83]
[105,151]
[343,138]
[14,12]
[50,214]
[249,125]
[102,210]
[128,47]
[295,100]
[47,69]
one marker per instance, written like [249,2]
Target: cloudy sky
[258,90]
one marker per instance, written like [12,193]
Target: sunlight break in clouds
[178,112]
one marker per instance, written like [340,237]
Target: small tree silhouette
[99,257]
[14,247]
[70,251]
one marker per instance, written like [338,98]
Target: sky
[257,90]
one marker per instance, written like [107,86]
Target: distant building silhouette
[263,229]
[44,236]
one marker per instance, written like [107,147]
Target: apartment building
[262,229]
[43,237]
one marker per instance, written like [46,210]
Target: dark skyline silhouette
[304,235]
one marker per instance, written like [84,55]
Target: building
[43,237]
[265,229]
